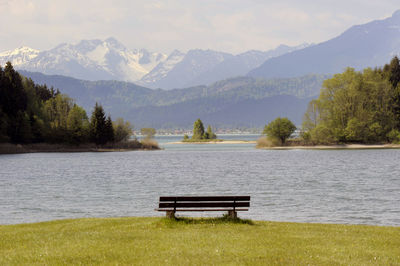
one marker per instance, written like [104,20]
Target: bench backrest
[227,202]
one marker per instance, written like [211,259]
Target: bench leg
[232,214]
[170,214]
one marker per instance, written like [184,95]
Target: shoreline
[215,142]
[335,147]
[67,219]
[8,148]
[300,147]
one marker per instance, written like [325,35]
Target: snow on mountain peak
[88,59]
[18,56]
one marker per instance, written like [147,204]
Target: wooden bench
[232,204]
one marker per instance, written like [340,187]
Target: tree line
[32,113]
[353,107]
[356,106]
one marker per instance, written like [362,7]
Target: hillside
[369,45]
[218,103]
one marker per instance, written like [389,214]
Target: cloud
[230,25]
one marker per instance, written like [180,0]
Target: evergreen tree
[198,129]
[394,71]
[3,127]
[98,132]
[21,131]
[109,130]
[13,97]
[210,134]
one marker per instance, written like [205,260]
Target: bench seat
[231,204]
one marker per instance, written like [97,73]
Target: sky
[232,26]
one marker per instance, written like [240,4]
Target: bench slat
[206,198]
[203,204]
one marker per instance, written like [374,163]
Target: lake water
[319,186]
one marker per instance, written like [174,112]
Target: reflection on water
[327,186]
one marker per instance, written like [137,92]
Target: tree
[356,106]
[109,130]
[280,128]
[13,97]
[77,125]
[394,71]
[98,133]
[122,130]
[209,134]
[198,129]
[148,132]
[3,127]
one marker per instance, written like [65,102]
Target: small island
[201,136]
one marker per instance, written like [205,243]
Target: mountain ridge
[110,60]
[366,45]
[180,107]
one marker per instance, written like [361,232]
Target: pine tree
[210,134]
[394,69]
[109,130]
[98,125]
[198,129]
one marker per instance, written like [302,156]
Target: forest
[32,113]
[356,107]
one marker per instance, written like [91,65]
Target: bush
[267,142]
[321,135]
[394,136]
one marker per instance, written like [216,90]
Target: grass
[161,241]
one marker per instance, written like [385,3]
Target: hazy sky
[226,25]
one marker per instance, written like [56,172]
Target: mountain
[368,45]
[110,60]
[162,69]
[185,70]
[220,113]
[18,56]
[89,59]
[204,67]
[241,101]
[241,64]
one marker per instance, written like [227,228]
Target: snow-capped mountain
[89,59]
[162,69]
[18,56]
[181,70]
[110,60]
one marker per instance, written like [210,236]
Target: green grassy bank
[144,241]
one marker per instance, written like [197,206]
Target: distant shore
[296,147]
[8,148]
[336,147]
[216,142]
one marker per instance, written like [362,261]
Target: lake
[319,186]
